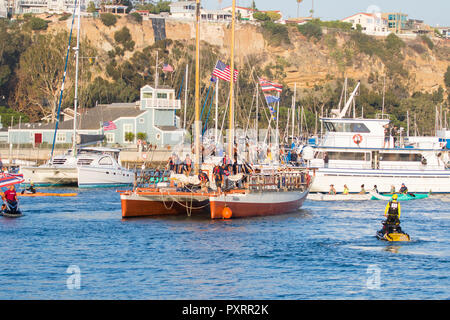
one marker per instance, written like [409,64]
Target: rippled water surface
[326,250]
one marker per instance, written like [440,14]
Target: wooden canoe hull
[257,204]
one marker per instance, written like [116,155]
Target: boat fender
[226,213]
[357,138]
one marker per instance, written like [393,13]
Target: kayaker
[392,189]
[363,191]
[403,189]
[332,190]
[375,189]
[392,213]
[29,189]
[346,191]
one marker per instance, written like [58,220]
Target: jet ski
[11,210]
[392,233]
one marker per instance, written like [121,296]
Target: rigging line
[63,81]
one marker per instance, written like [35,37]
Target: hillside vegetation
[118,57]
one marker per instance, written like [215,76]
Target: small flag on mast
[167,68]
[109,125]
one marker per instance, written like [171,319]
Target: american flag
[167,68]
[267,85]
[222,71]
[109,125]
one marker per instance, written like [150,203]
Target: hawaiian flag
[7,179]
[222,71]
[267,85]
[109,125]
[167,68]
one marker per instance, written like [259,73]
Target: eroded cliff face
[306,63]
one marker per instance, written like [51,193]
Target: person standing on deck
[387,137]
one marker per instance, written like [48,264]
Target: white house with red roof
[371,23]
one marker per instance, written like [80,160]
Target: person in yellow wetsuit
[392,213]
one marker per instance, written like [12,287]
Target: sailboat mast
[75,100]
[197,89]
[231,119]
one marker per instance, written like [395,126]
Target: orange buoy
[226,213]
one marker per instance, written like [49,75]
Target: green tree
[129,136]
[141,136]
[123,37]
[108,19]
[447,78]
[40,75]
[91,7]
[261,16]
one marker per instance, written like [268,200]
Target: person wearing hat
[403,189]
[392,213]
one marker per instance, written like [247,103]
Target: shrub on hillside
[275,33]
[427,41]
[310,30]
[37,23]
[135,16]
[108,19]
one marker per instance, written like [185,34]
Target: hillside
[125,54]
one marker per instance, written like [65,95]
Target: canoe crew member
[203,177]
[11,195]
[171,164]
[218,177]
[392,213]
[392,189]
[363,191]
[403,189]
[375,189]
[346,191]
[332,190]
[188,165]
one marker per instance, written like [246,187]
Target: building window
[109,137]
[127,128]
[147,95]
[61,137]
[141,120]
[162,95]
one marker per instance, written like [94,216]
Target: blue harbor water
[326,250]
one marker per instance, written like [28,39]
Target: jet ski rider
[392,213]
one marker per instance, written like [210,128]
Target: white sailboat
[83,167]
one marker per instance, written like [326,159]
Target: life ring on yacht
[357,138]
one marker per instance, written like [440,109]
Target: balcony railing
[162,103]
